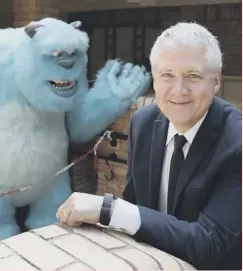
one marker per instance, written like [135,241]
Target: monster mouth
[63,88]
[63,84]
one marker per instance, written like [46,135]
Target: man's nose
[66,63]
[179,87]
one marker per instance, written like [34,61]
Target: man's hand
[79,208]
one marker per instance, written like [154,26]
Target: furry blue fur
[44,104]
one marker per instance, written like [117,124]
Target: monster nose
[66,63]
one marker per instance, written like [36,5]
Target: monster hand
[126,82]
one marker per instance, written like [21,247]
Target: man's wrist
[125,216]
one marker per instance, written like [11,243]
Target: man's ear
[153,84]
[217,82]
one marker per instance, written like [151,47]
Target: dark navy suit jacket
[206,223]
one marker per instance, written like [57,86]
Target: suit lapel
[156,159]
[206,137]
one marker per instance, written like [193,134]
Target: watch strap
[105,213]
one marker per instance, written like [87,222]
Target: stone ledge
[57,247]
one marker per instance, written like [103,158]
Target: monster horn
[76,24]
[31,29]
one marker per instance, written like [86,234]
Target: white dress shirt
[126,216]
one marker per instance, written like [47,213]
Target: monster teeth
[62,82]
[68,86]
[62,85]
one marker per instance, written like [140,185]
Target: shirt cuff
[125,217]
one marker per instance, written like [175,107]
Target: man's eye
[167,75]
[194,76]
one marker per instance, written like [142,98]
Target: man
[184,181]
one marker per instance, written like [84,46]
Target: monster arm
[110,98]
[98,110]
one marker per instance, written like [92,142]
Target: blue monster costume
[45,103]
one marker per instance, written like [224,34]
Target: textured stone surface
[50,231]
[15,263]
[5,251]
[82,249]
[37,251]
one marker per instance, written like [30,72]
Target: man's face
[184,86]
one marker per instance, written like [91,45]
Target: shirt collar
[189,135]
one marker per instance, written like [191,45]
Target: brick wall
[25,11]
[116,184]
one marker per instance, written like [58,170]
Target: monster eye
[56,53]
[71,52]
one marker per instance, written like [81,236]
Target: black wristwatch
[105,213]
